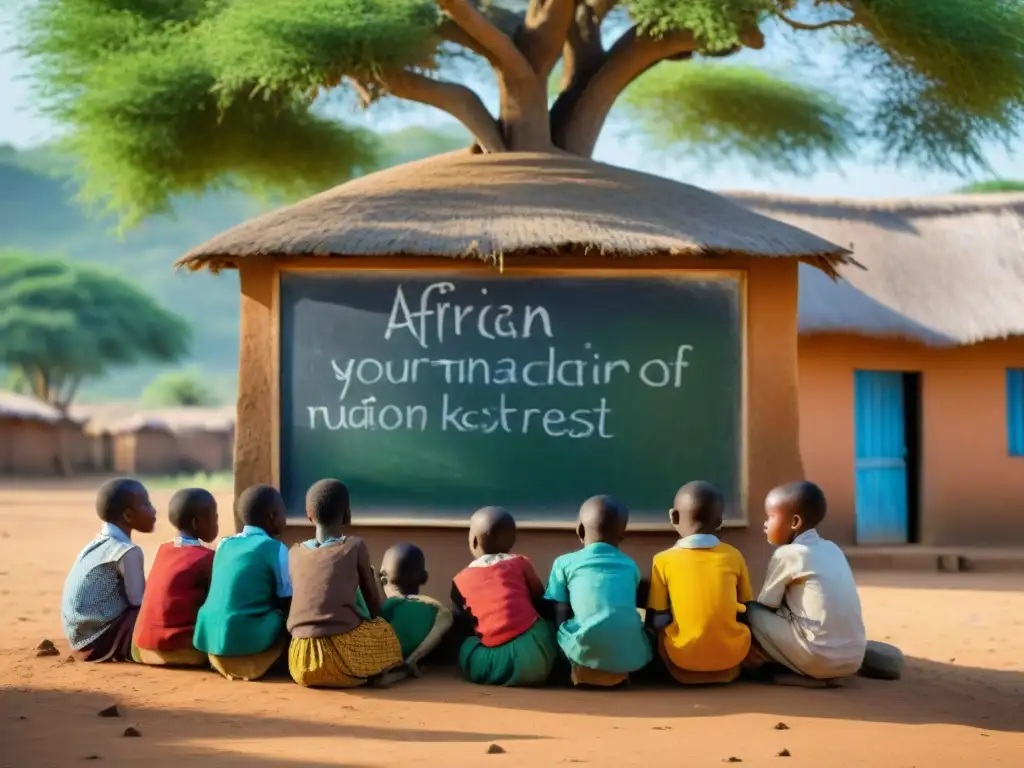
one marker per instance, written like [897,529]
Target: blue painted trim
[1015,411]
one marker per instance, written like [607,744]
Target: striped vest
[94,592]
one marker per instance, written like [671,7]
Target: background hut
[205,437]
[533,211]
[144,445]
[912,372]
[36,438]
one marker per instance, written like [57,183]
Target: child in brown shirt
[332,646]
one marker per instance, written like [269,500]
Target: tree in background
[179,95]
[180,388]
[61,323]
[995,186]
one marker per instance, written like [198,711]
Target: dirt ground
[960,703]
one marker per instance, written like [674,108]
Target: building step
[917,557]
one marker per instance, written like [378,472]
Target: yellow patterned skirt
[345,661]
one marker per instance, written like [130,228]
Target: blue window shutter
[1015,410]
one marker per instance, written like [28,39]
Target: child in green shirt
[419,621]
[241,626]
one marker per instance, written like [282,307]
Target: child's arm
[132,567]
[463,621]
[557,607]
[659,609]
[367,580]
[533,581]
[643,591]
[284,581]
[779,577]
[744,592]
[442,623]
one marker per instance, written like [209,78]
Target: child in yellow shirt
[697,589]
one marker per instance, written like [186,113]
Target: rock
[495,749]
[92,757]
[783,753]
[70,659]
[46,648]
[882,662]
[111,711]
[732,760]
[131,733]
[780,726]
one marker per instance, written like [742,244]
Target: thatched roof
[14,406]
[127,417]
[941,271]
[491,207]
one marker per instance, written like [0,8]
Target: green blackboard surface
[433,394]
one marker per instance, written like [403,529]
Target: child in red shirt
[495,595]
[178,585]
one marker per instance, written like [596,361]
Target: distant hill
[38,212]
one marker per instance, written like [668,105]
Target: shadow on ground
[57,728]
[930,692]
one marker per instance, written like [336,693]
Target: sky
[22,126]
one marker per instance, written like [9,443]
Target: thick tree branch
[543,32]
[812,27]
[503,52]
[457,100]
[453,33]
[632,54]
[582,57]
[523,95]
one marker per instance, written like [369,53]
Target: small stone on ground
[780,726]
[882,662]
[111,711]
[495,749]
[783,753]
[132,733]
[47,648]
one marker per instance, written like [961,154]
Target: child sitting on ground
[332,645]
[808,615]
[241,624]
[698,587]
[104,588]
[419,621]
[494,596]
[178,584]
[595,590]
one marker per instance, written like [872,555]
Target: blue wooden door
[881,492]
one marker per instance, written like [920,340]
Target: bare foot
[387,679]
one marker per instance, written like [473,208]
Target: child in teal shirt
[595,591]
[241,626]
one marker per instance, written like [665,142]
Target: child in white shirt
[808,615]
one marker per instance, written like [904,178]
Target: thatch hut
[35,437]
[912,372]
[143,445]
[205,437]
[317,278]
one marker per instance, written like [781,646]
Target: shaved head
[803,498]
[603,518]
[492,531]
[698,508]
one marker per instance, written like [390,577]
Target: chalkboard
[434,393]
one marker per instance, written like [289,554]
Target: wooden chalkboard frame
[362,267]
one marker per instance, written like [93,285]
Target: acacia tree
[169,95]
[62,323]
